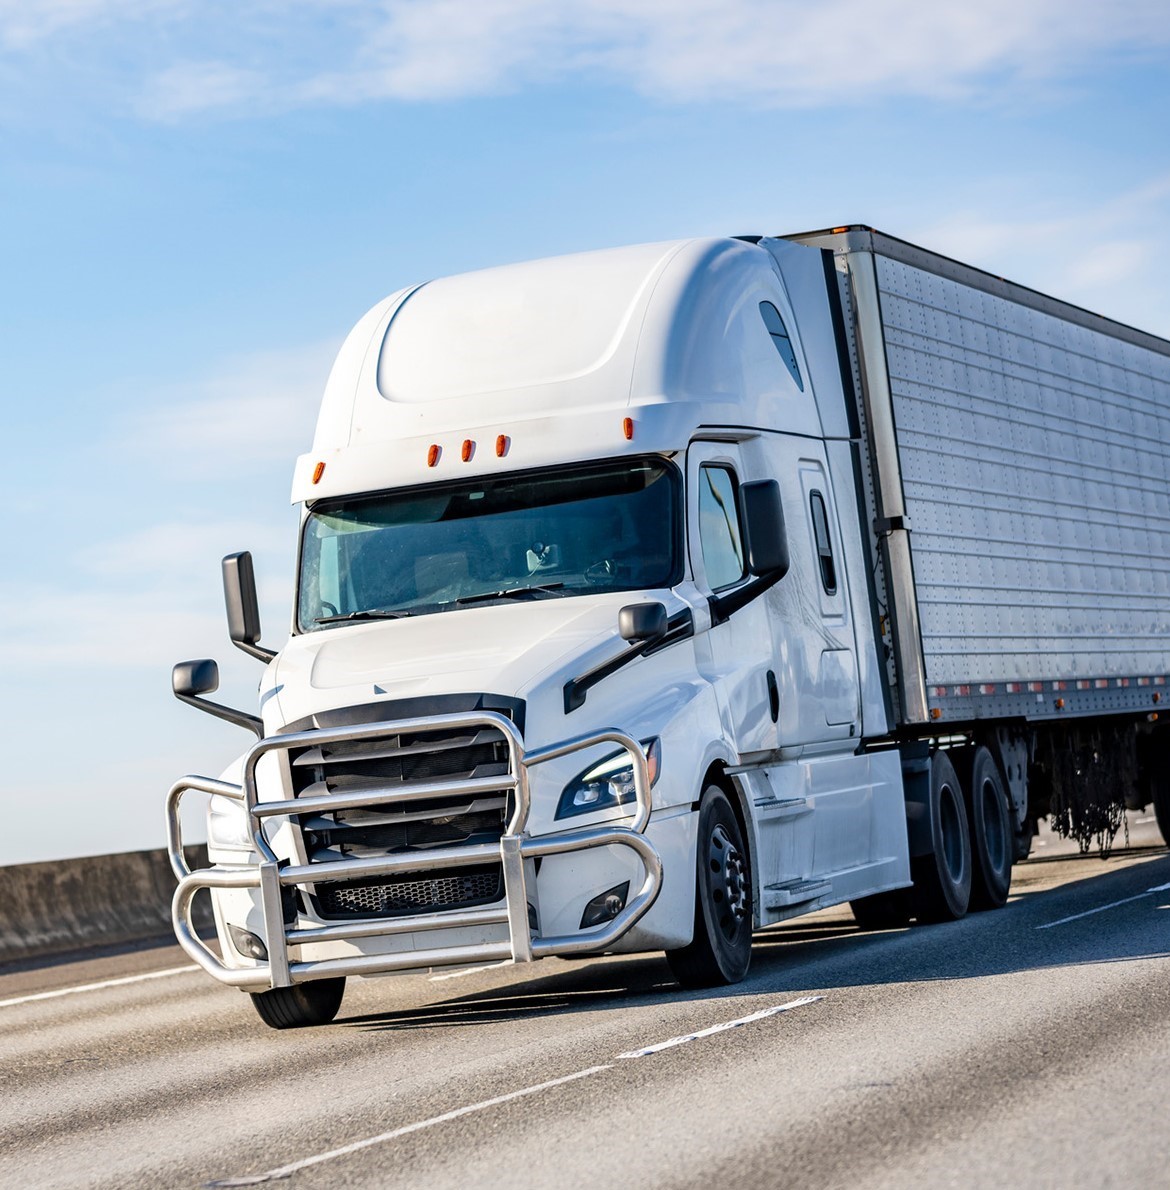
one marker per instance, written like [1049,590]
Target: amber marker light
[1060,704]
[433,454]
[501,446]
[468,450]
[936,712]
[628,428]
[318,471]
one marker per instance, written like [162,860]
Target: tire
[883,911]
[721,949]
[942,879]
[303,1004]
[1022,839]
[1160,788]
[992,836]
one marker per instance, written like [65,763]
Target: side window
[719,527]
[820,520]
[781,340]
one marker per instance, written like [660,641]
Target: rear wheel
[304,1004]
[1161,792]
[942,878]
[721,948]
[992,837]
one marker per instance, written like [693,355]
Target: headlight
[227,823]
[608,783]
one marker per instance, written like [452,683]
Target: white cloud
[1102,256]
[253,409]
[256,56]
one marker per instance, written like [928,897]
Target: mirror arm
[723,607]
[242,719]
[257,651]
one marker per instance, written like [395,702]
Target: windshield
[570,531]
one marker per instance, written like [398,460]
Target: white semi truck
[653,596]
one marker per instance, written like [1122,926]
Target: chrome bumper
[513,849]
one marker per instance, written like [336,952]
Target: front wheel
[301,1005]
[721,949]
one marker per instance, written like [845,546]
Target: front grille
[420,894]
[397,827]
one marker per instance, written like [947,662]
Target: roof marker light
[318,471]
[433,454]
[468,450]
[502,446]
[628,428]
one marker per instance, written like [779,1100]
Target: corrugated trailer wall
[1033,442]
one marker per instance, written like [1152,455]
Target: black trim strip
[680,626]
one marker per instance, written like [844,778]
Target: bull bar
[513,848]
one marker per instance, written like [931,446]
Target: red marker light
[468,450]
[433,455]
[628,428]
[318,471]
[501,446]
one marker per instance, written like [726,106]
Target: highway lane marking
[286,1171]
[743,1020]
[97,987]
[470,971]
[1101,908]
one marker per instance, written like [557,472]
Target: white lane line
[286,1171]
[470,971]
[1143,821]
[97,987]
[1101,908]
[743,1020]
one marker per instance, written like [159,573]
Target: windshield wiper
[509,593]
[374,614]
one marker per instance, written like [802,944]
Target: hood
[499,649]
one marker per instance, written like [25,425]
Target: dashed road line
[97,987]
[469,971]
[1101,908]
[286,1171]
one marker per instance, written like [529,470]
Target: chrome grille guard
[513,848]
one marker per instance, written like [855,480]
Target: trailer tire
[942,878]
[301,1005]
[883,911]
[1161,797]
[993,841]
[721,948]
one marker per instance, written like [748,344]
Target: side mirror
[642,622]
[190,679]
[243,609]
[766,541]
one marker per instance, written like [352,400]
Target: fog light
[248,944]
[606,906]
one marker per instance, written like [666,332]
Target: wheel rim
[727,881]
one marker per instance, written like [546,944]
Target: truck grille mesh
[421,894]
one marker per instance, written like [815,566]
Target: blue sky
[198,200]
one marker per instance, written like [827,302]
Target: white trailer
[652,596]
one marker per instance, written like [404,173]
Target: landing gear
[303,1004]
[1161,792]
[721,948]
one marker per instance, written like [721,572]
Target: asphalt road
[1029,1046]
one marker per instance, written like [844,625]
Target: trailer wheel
[721,949]
[1161,792]
[303,1004]
[942,879]
[883,911]
[992,838]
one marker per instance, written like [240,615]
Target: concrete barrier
[103,900]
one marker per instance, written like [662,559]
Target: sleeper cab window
[719,533]
[820,520]
[781,340]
